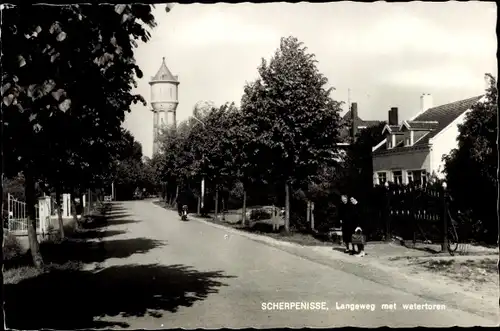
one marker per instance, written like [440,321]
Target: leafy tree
[294,122]
[51,54]
[472,167]
[359,162]
[176,159]
[129,172]
[212,146]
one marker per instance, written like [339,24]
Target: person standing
[344,216]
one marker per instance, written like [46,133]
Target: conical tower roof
[164,74]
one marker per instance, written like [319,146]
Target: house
[413,150]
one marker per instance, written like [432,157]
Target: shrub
[11,247]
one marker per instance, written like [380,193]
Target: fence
[409,212]
[17,219]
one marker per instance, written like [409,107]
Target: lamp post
[203,179]
[445,219]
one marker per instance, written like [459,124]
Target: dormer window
[391,141]
[410,138]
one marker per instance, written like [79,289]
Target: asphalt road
[191,274]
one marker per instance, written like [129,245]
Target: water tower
[164,101]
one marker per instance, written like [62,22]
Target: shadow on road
[108,220]
[87,252]
[76,298]
[90,234]
[82,251]
[79,247]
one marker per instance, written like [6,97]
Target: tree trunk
[73,211]
[244,211]
[29,191]
[223,208]
[308,212]
[199,206]
[312,217]
[59,213]
[89,201]
[216,202]
[174,201]
[287,207]
[82,210]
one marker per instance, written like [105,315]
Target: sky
[386,54]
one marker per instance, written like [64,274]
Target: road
[192,275]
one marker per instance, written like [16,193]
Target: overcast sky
[387,54]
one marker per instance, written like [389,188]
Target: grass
[477,270]
[22,273]
[265,229]
[56,253]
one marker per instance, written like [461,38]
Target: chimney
[393,116]
[354,119]
[425,102]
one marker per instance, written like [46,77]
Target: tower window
[170,92]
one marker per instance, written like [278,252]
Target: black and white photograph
[249,165]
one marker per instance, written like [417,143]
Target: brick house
[413,149]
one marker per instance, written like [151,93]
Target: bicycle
[453,239]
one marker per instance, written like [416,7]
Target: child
[360,247]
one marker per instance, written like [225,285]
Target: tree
[213,147]
[359,162]
[472,167]
[175,163]
[129,167]
[50,55]
[294,121]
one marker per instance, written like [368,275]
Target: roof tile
[444,115]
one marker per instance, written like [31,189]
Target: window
[417,177]
[171,92]
[397,177]
[382,177]
[409,176]
[407,142]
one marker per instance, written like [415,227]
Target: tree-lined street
[71,75]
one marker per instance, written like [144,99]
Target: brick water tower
[164,101]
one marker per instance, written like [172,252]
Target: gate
[17,219]
[410,212]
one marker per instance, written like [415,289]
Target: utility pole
[348,99]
